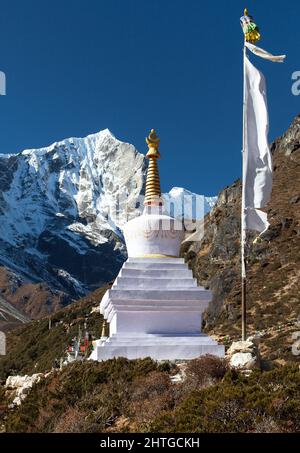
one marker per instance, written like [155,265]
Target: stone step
[132,343]
[155,273]
[174,351]
[161,283]
[157,339]
[162,336]
[155,260]
[160,295]
[197,306]
[155,266]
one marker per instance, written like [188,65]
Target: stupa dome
[153,234]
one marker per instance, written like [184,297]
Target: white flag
[257,160]
[264,54]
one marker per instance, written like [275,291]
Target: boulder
[20,386]
[244,361]
[17,382]
[241,346]
[244,355]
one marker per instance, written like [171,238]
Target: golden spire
[153,192]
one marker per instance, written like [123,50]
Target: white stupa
[154,308]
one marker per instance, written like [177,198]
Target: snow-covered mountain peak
[183,203]
[95,139]
[62,208]
[178,191]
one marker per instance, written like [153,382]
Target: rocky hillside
[273,261]
[21,301]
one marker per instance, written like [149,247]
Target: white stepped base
[155,260]
[150,274]
[195,294]
[155,265]
[154,309]
[160,283]
[158,347]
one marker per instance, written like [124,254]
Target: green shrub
[239,404]
[207,367]
[134,395]
[100,389]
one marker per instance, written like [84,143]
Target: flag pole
[243,226]
[259,186]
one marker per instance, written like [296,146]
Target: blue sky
[74,67]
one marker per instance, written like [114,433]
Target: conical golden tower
[153,192]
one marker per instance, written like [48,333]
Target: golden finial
[153,144]
[153,192]
[246,12]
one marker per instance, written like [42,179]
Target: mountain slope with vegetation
[273,261]
[21,301]
[38,346]
[140,396]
